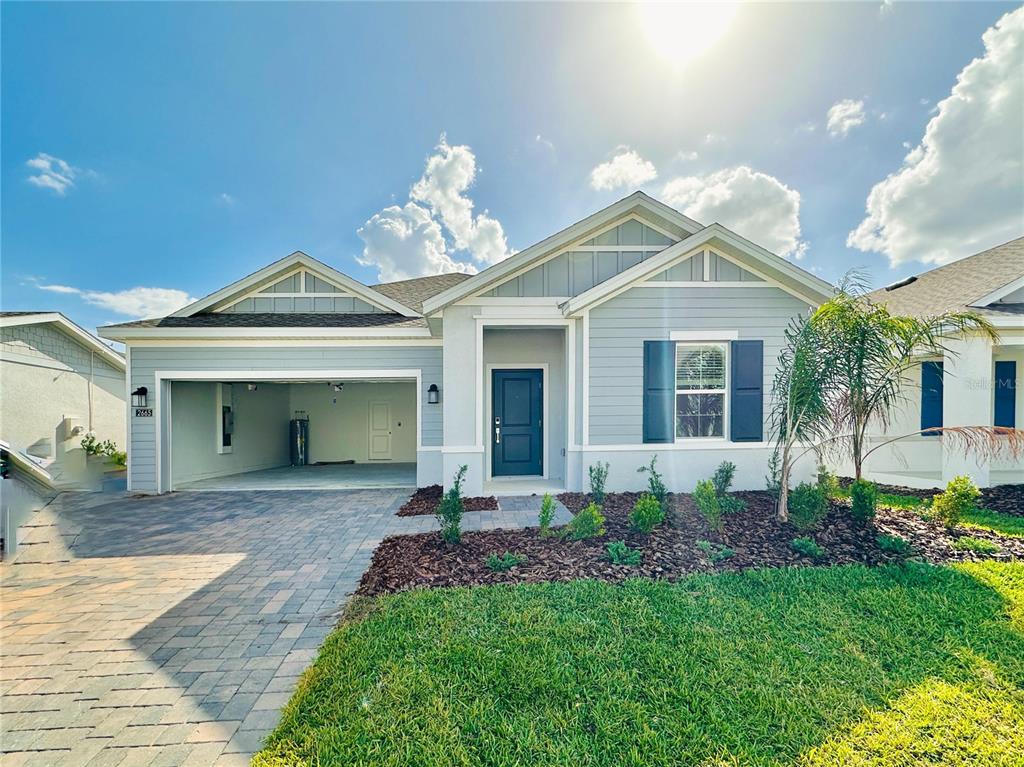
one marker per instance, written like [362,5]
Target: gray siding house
[632,333]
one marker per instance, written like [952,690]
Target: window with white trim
[701,373]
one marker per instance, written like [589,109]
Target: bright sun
[680,32]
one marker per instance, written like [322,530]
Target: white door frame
[370,429]
[489,409]
[163,378]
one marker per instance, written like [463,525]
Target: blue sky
[178,147]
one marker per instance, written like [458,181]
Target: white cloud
[413,240]
[406,242]
[754,204]
[449,174]
[226,199]
[626,168]
[845,115]
[684,156]
[134,302]
[53,173]
[959,191]
[885,8]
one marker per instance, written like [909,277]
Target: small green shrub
[655,482]
[506,561]
[722,478]
[977,545]
[828,482]
[589,523]
[893,544]
[715,552]
[864,497]
[960,498]
[92,446]
[547,514]
[620,554]
[807,547]
[647,513]
[449,511]
[706,498]
[730,504]
[772,481]
[598,477]
[807,505]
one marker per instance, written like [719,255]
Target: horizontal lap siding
[146,361]
[619,327]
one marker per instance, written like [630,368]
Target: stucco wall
[44,376]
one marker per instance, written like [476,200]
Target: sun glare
[680,32]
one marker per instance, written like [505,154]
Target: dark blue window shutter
[1006,395]
[931,396]
[746,398]
[659,391]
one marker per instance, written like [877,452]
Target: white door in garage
[380,431]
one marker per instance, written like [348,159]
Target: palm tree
[872,351]
[803,386]
[841,370]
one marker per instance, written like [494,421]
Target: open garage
[284,434]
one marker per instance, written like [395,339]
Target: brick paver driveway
[171,630]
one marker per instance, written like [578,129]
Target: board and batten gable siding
[146,361]
[619,327]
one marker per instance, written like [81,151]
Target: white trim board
[163,379]
[116,333]
[79,334]
[513,266]
[998,293]
[818,290]
[269,273]
[488,449]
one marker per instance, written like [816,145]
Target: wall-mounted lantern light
[433,394]
[139,397]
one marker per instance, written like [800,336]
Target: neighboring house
[976,384]
[633,333]
[56,379]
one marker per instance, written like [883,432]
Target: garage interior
[280,435]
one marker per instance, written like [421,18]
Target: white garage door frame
[163,403]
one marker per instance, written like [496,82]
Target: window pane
[700,415]
[700,367]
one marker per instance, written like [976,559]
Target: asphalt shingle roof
[280,320]
[955,286]
[410,293]
[414,292]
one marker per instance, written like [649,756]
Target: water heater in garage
[298,441]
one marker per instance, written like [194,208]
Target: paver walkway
[171,630]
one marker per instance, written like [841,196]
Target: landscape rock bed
[669,552]
[426,499]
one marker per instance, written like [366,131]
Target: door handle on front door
[497,435]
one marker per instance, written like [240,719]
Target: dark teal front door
[517,429]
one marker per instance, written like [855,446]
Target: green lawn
[885,499]
[1003,524]
[890,666]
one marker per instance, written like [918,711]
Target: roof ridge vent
[900,284]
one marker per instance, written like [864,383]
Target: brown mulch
[1003,499]
[426,499]
[669,552]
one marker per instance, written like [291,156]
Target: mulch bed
[1003,499]
[426,499]
[669,552]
